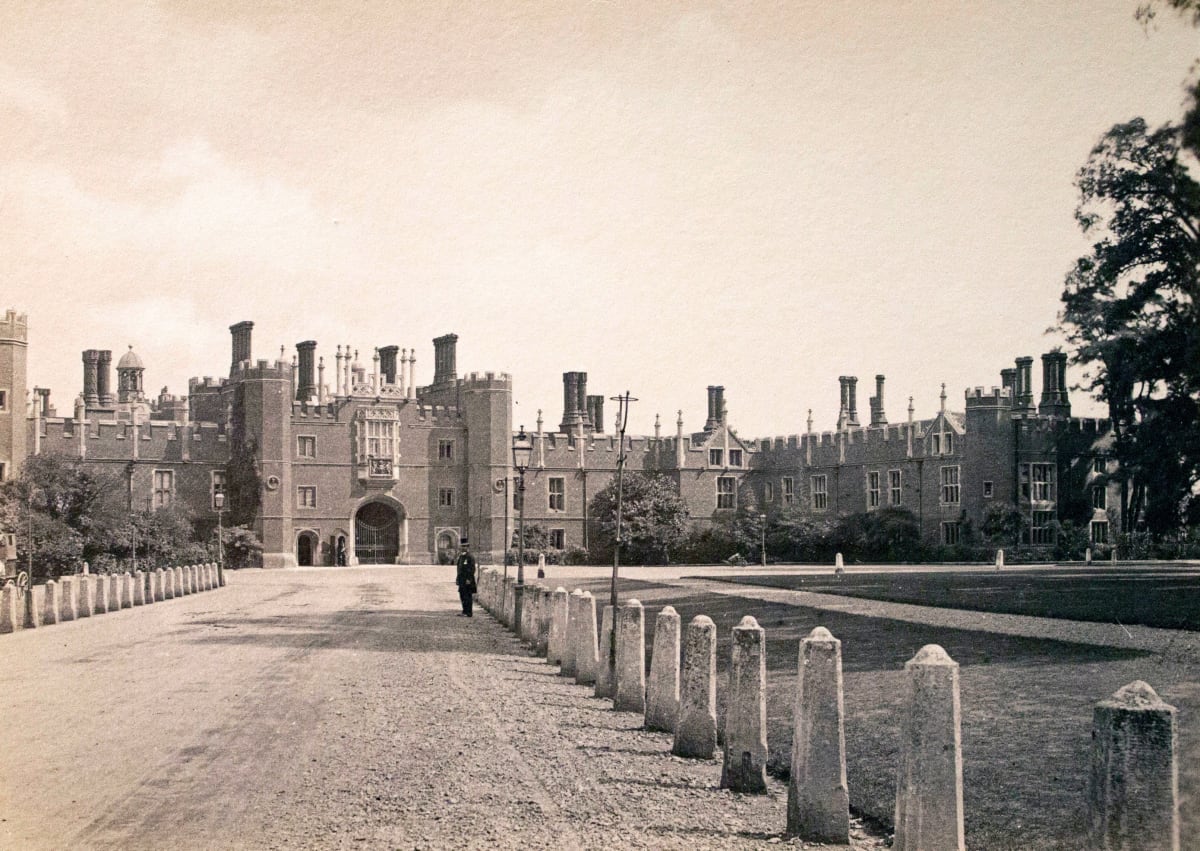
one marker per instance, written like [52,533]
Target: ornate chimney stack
[1055,402]
[1024,384]
[104,377]
[306,385]
[595,409]
[878,417]
[91,361]
[572,416]
[445,367]
[240,334]
[387,363]
[716,407]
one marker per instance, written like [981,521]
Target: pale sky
[763,195]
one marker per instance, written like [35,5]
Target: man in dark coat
[466,579]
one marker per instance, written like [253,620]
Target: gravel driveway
[334,709]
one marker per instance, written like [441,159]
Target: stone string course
[87,595]
[1133,800]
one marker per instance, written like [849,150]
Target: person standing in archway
[466,579]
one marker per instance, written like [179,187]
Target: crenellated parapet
[14,327]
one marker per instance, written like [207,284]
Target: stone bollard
[631,658]
[100,602]
[33,603]
[115,587]
[696,727]
[1087,556]
[84,598]
[196,568]
[929,786]
[127,590]
[999,559]
[153,587]
[50,603]
[138,587]
[606,658]
[558,626]
[541,643]
[818,808]
[662,692]
[8,608]
[838,564]
[509,603]
[164,589]
[180,585]
[1133,791]
[574,616]
[585,641]
[207,576]
[66,599]
[744,768]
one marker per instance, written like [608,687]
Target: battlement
[14,327]
[157,440]
[308,411]
[486,381]
[445,414]
[998,397]
[206,385]
[1088,425]
[264,370]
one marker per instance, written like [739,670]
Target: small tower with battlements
[14,331]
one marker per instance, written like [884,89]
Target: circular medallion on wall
[272,483]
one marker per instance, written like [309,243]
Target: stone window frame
[3,468]
[895,487]
[162,491]
[788,489]
[1098,532]
[1100,497]
[735,458]
[446,498]
[726,493]
[988,489]
[951,484]
[873,491]
[1041,487]
[306,496]
[820,492]
[3,400]
[445,449]
[951,532]
[716,457]
[303,441]
[1099,465]
[768,492]
[1041,533]
[557,539]
[556,493]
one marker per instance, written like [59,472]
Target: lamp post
[623,402]
[522,449]
[762,520]
[219,505]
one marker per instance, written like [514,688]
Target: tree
[75,513]
[654,519]
[1131,309]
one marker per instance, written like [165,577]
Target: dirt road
[333,709]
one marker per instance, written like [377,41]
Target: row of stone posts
[83,595]
[1133,791]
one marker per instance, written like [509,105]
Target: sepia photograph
[600,424]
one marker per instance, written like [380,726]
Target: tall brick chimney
[91,362]
[595,411]
[445,367]
[306,383]
[387,363]
[1054,385]
[878,417]
[1024,383]
[574,401]
[716,407]
[240,334]
[104,377]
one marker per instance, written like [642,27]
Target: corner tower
[14,332]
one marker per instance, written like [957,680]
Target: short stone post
[138,583]
[558,626]
[115,587]
[999,559]
[541,644]
[33,607]
[8,608]
[509,603]
[100,602]
[85,600]
[818,807]
[585,641]
[696,728]
[210,576]
[127,590]
[1133,792]
[66,598]
[180,585]
[1087,556]
[50,603]
[744,768]
[929,790]
[568,668]
[838,564]
[154,592]
[606,658]
[631,658]
[662,692]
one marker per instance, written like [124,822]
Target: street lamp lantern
[522,451]
[219,505]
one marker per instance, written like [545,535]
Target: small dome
[130,360]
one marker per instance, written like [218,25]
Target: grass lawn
[1164,598]
[1026,710]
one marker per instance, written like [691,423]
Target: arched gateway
[377,533]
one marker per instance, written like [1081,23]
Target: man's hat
[463,543]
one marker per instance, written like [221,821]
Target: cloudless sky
[763,195]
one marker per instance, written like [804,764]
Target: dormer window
[735,457]
[716,458]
